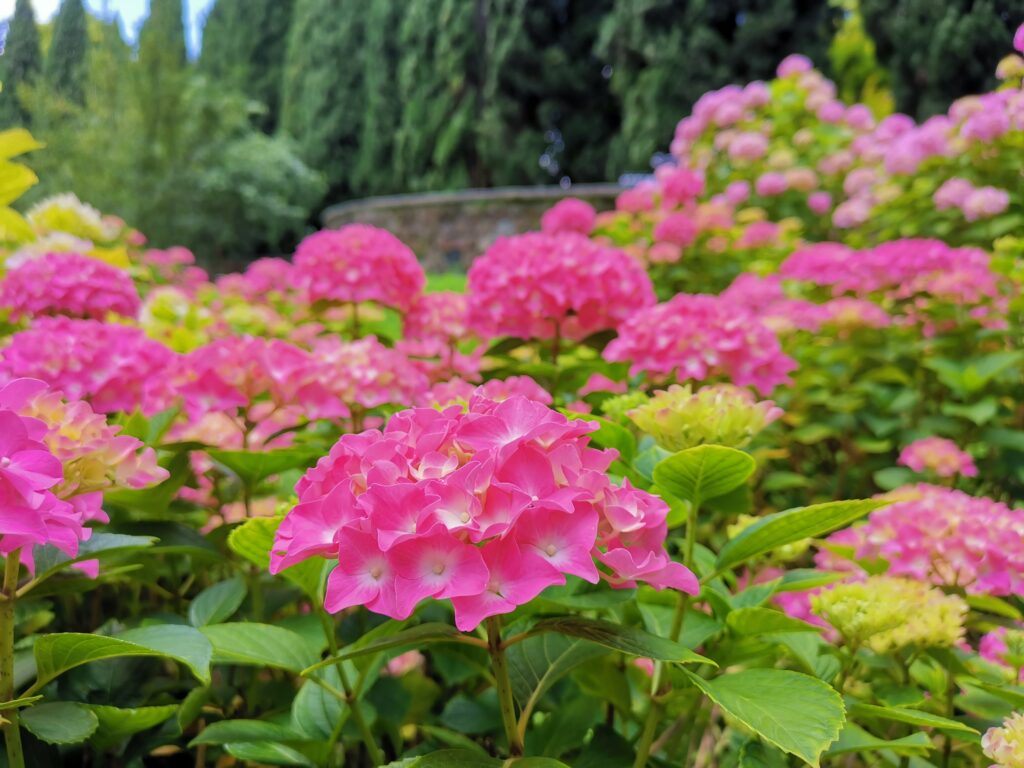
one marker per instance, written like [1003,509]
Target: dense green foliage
[66,65]
[21,62]
[938,51]
[391,96]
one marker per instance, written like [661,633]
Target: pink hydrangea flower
[748,146]
[737,192]
[367,374]
[952,194]
[676,228]
[1018,39]
[679,185]
[234,373]
[992,647]
[539,286]
[765,298]
[794,64]
[985,202]
[770,184]
[598,382]
[68,284]
[819,202]
[432,331]
[938,455]
[261,277]
[112,367]
[456,391]
[695,337]
[569,215]
[486,505]
[358,263]
[941,536]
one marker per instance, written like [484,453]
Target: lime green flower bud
[886,614]
[616,408]
[723,414]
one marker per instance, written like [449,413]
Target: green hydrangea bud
[886,614]
[723,414]
[615,408]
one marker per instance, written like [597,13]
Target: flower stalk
[500,666]
[9,717]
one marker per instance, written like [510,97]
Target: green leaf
[56,654]
[628,640]
[315,711]
[254,539]
[797,713]
[750,622]
[781,528]
[537,663]
[456,758]
[703,472]
[260,645]
[855,739]
[229,731]
[253,466]
[217,603]
[268,753]
[434,632]
[60,722]
[909,716]
[116,724]
[100,546]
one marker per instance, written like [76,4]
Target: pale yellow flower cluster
[886,614]
[721,414]
[1006,745]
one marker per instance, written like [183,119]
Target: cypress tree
[163,34]
[324,92]
[440,78]
[66,60]
[244,47]
[937,52]
[665,54]
[20,64]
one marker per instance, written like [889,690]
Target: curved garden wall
[449,229]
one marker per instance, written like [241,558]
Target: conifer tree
[66,65]
[20,64]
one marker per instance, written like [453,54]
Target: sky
[132,13]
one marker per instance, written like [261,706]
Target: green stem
[11,730]
[355,320]
[654,713]
[500,666]
[376,756]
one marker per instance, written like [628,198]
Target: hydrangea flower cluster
[569,215]
[539,286]
[695,336]
[939,456]
[355,264]
[940,536]
[1005,744]
[887,614]
[112,367]
[1004,647]
[68,284]
[261,277]
[56,459]
[457,391]
[724,414]
[236,372]
[486,506]
[432,330]
[365,373]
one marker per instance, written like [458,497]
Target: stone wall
[447,230]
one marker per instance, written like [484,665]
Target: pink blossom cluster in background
[68,284]
[486,506]
[261,277]
[112,367]
[366,373]
[457,391]
[992,647]
[898,270]
[693,337]
[941,536]
[569,215]
[537,286]
[237,371]
[357,263]
[937,455]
